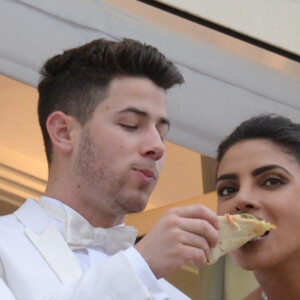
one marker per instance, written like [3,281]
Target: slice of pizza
[235,231]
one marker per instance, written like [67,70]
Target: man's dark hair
[275,128]
[75,81]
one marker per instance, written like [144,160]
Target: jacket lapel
[48,241]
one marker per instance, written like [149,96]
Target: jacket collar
[48,240]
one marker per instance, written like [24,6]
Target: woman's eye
[224,191]
[273,181]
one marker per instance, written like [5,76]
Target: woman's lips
[255,242]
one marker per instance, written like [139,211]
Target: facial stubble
[105,190]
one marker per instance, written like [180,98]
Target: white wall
[276,22]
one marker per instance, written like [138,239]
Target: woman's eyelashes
[272,180]
[269,181]
[226,189]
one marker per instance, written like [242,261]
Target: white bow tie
[80,234]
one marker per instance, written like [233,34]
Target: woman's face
[258,177]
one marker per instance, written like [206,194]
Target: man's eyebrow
[162,120]
[263,169]
[134,110]
[230,176]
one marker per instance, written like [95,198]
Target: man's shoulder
[12,235]
[10,222]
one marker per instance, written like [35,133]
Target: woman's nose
[245,201]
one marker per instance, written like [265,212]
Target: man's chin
[131,205]
[139,207]
[138,202]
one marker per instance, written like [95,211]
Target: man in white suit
[102,111]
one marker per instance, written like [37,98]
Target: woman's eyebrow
[230,176]
[263,169]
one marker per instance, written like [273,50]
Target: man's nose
[153,145]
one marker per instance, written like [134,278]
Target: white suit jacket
[36,263]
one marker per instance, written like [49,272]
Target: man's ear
[60,126]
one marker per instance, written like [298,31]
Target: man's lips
[146,174]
